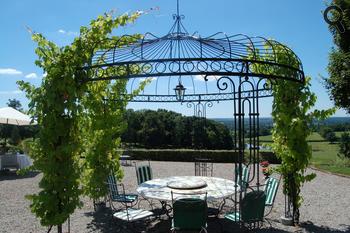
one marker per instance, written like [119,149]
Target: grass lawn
[339,133]
[267,138]
[313,137]
[324,154]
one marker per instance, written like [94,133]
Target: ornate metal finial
[178,28]
[178,8]
[177,16]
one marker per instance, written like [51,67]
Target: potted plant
[266,169]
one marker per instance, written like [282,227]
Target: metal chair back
[143,173]
[203,167]
[253,207]
[242,178]
[119,196]
[112,186]
[190,212]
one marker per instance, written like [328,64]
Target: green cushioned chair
[143,173]
[125,212]
[115,195]
[271,187]
[242,179]
[251,212]
[190,213]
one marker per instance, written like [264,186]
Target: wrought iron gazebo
[199,71]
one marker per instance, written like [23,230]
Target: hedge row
[183,155]
[269,156]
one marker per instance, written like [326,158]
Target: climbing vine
[102,126]
[292,117]
[74,121]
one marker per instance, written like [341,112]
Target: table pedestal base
[165,209]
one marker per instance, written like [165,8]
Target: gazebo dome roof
[189,59]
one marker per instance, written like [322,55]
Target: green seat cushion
[128,198]
[234,216]
[271,187]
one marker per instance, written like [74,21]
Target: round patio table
[160,189]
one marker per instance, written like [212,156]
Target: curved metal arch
[179,57]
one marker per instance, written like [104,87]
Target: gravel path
[326,206]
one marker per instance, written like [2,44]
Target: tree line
[265,125]
[167,129]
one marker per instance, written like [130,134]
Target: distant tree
[130,135]
[167,129]
[331,137]
[344,145]
[338,82]
[265,130]
[180,139]
[324,130]
[16,104]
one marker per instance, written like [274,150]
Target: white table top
[216,188]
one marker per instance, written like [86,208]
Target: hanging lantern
[180,92]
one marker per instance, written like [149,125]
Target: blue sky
[296,23]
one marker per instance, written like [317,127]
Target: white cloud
[15,92]
[209,78]
[10,71]
[32,76]
[44,75]
[68,33]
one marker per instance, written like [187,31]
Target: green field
[338,134]
[324,154]
[313,137]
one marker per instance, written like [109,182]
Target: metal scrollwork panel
[188,67]
[200,108]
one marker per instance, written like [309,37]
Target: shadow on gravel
[12,175]
[102,221]
[229,227]
[310,227]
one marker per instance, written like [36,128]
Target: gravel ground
[326,206]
